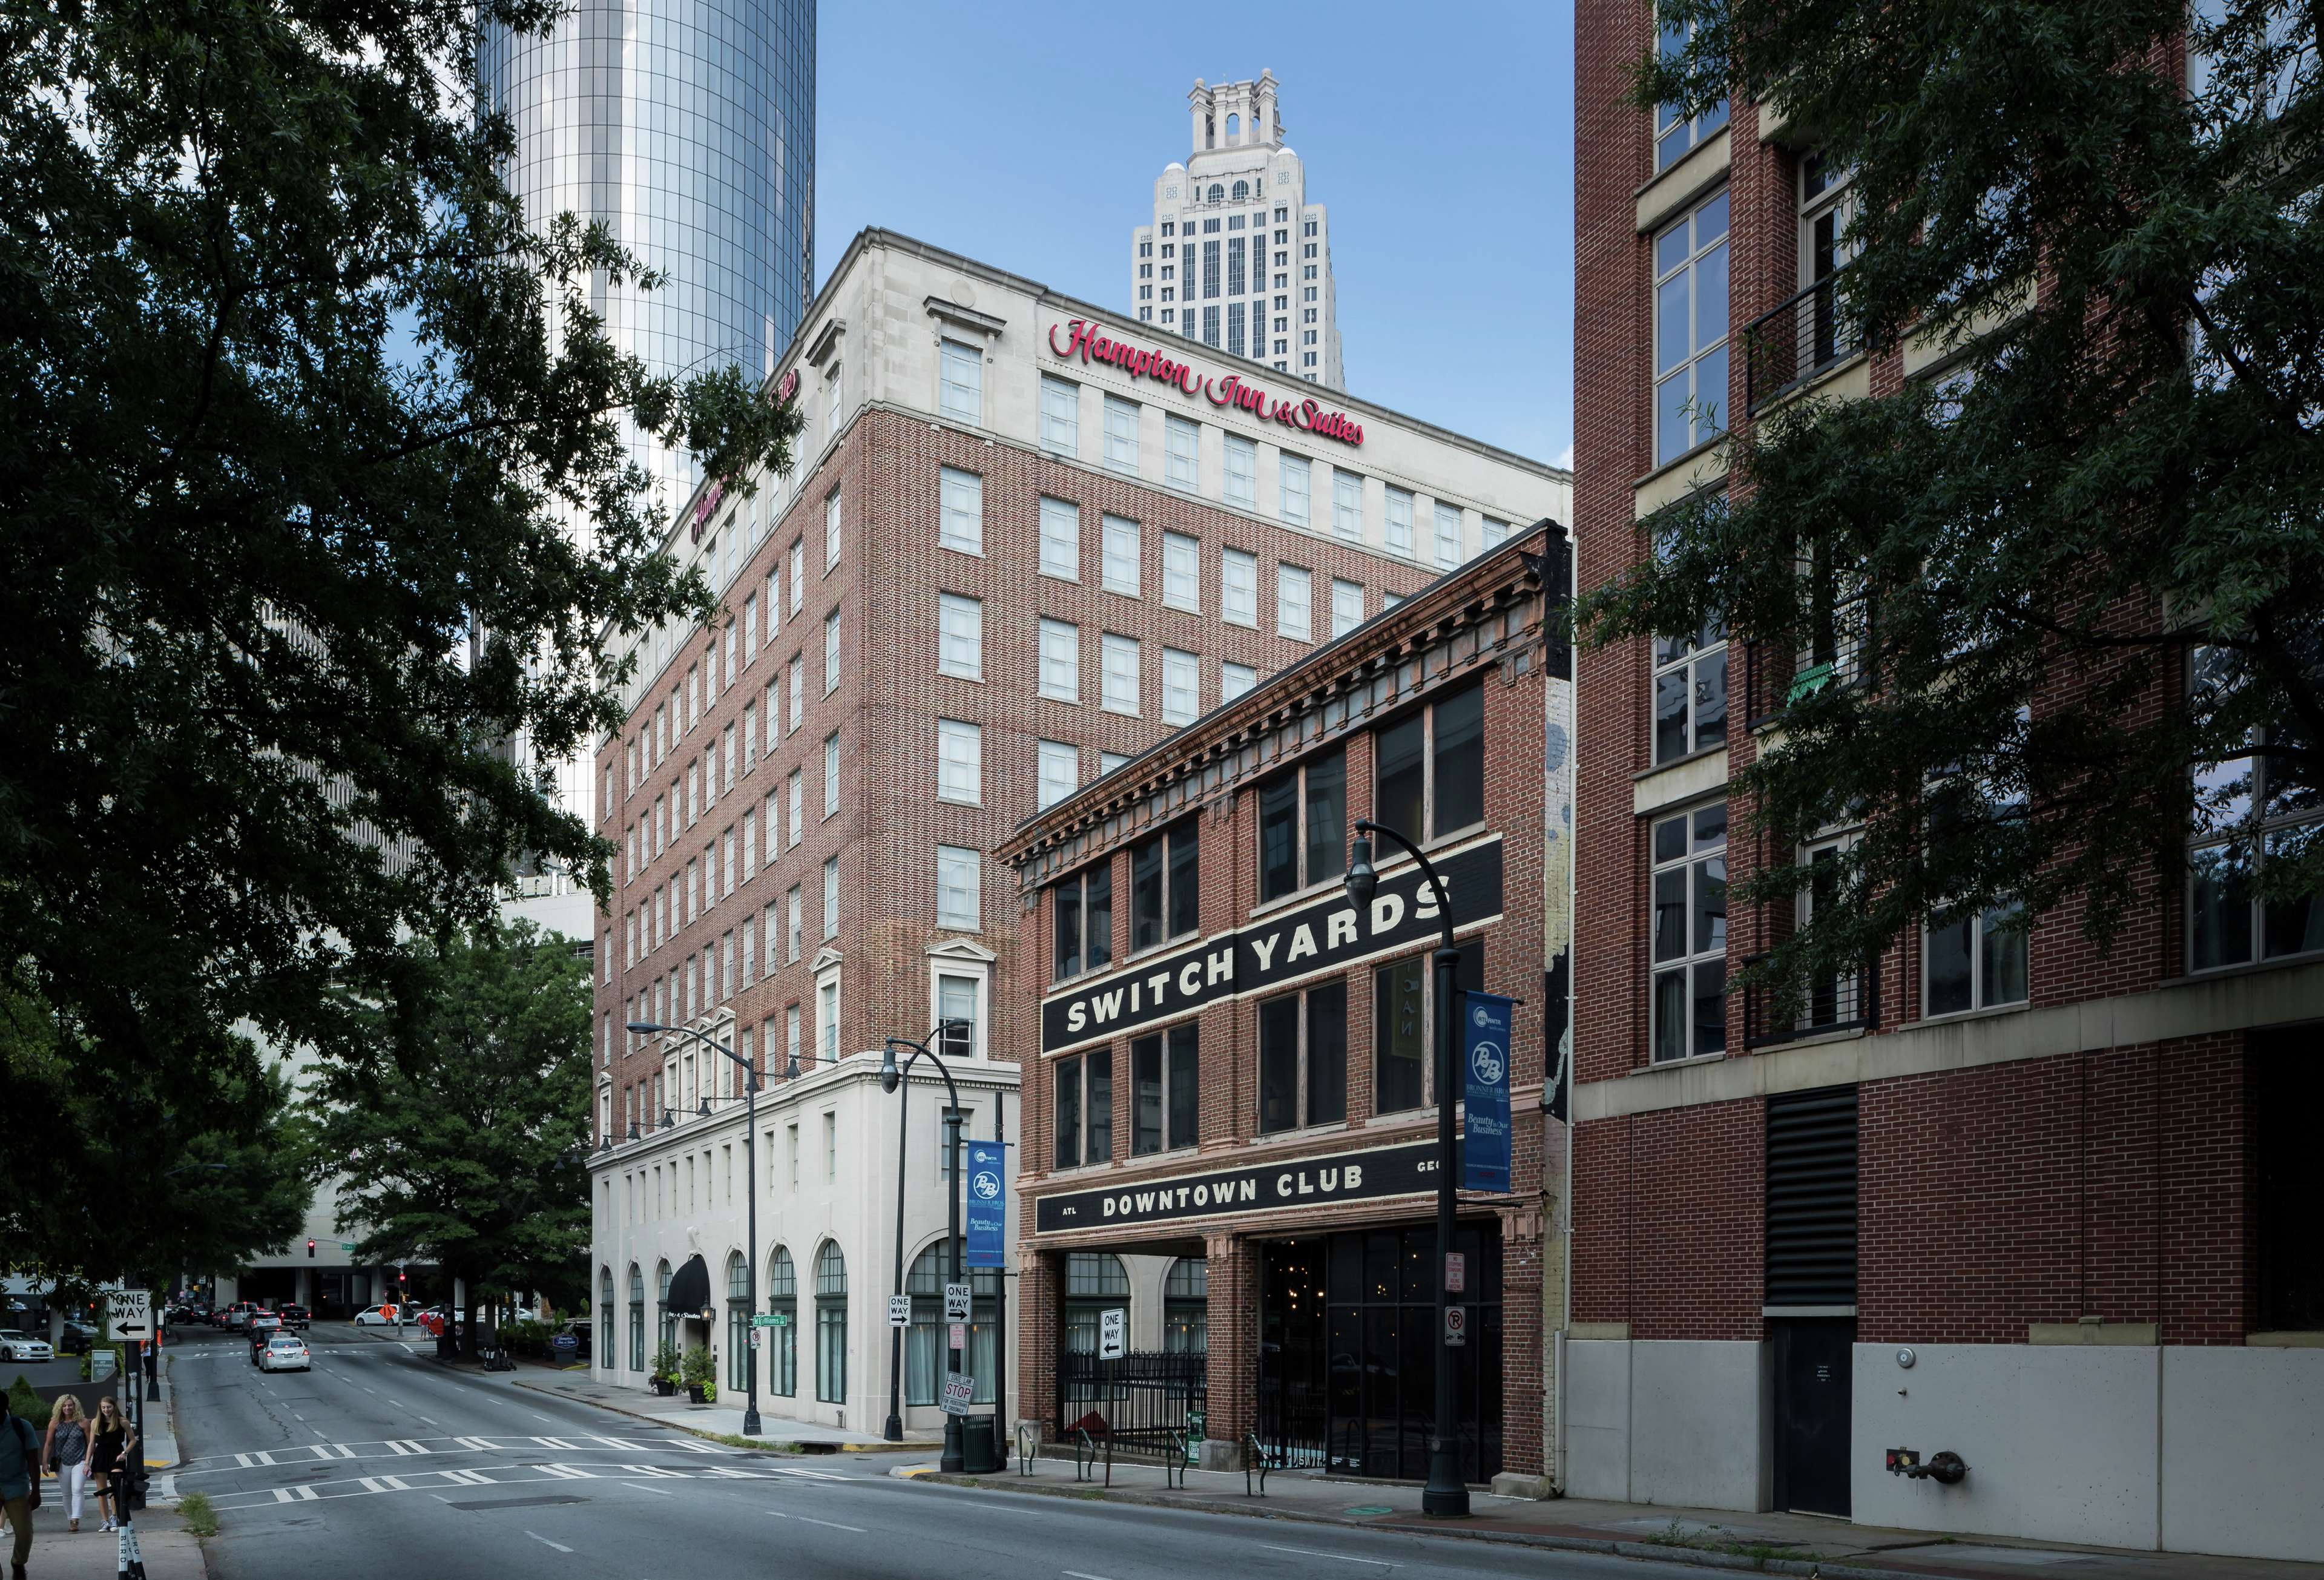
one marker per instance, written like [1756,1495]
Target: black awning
[689,1287]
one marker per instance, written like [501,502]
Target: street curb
[775,1445]
[1808,1569]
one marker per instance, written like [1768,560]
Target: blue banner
[988,1205]
[1485,1022]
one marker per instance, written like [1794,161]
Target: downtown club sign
[1089,342]
[1326,935]
[1408,1170]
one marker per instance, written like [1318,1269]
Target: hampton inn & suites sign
[1089,342]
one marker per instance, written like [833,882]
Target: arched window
[1187,1307]
[1234,128]
[1218,193]
[831,1324]
[602,1339]
[637,1319]
[782,1301]
[925,1351]
[1242,192]
[738,1321]
[1094,1282]
[667,1331]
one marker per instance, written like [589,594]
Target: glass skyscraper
[687,127]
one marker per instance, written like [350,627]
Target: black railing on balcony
[1795,341]
[1838,1002]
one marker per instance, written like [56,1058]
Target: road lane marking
[544,1542]
[485,1444]
[431,1420]
[536,1416]
[834,1524]
[619,1443]
[1077,1574]
[566,1473]
[647,1470]
[642,1486]
[558,1443]
[1342,1558]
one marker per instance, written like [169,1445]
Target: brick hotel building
[1024,540]
[1997,1196]
[1231,1086]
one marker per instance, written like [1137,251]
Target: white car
[377,1317]
[22,1346]
[285,1352]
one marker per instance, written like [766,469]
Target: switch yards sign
[1329,934]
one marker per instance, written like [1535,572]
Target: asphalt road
[379,1462]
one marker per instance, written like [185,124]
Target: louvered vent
[1811,1197]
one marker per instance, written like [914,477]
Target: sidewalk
[170,1550]
[722,1419]
[1777,1544]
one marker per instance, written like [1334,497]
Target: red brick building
[1231,1068]
[1023,541]
[1996,1195]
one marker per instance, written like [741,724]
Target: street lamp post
[891,1077]
[751,1196]
[1446,1495]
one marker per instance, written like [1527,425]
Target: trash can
[979,1453]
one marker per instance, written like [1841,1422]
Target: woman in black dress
[108,1456]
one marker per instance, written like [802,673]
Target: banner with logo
[988,1205]
[1485,1052]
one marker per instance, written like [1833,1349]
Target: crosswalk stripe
[696,1445]
[558,1443]
[486,1443]
[813,1475]
[408,1445]
[566,1473]
[618,1443]
[466,1478]
[384,1484]
[242,1461]
[654,1472]
[727,1472]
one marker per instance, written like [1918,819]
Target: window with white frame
[1347,505]
[831,530]
[1118,573]
[960,381]
[798,694]
[960,762]
[1118,684]
[1292,478]
[1120,435]
[1399,520]
[1061,661]
[797,809]
[1060,772]
[831,897]
[1690,693]
[960,1010]
[1182,572]
[1676,135]
[1239,588]
[1182,687]
[1107,762]
[1061,538]
[798,576]
[831,653]
[1234,679]
[1293,603]
[1347,605]
[1688,993]
[793,907]
[1060,422]
[961,508]
[957,883]
[2249,811]
[1182,447]
[1497,532]
[1827,210]
[1690,329]
[1448,535]
[831,773]
[1834,998]
[960,636]
[1241,472]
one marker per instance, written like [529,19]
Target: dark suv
[296,1316]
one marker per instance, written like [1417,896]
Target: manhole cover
[1371,1509]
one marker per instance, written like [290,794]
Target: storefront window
[1302,1058]
[1165,1073]
[637,1319]
[927,1342]
[1403,1034]
[604,1336]
[668,1334]
[782,1302]
[738,1322]
[831,1324]
[1094,1282]
[1187,1307]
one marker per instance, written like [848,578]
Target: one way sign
[128,1315]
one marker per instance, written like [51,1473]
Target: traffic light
[310,1245]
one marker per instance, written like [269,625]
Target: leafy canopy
[299,408]
[2116,459]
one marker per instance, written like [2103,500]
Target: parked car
[296,1316]
[285,1352]
[78,1338]
[378,1316]
[16,1345]
[238,1315]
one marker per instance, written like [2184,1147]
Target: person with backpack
[20,1482]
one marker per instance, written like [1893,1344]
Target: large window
[1165,885]
[1976,959]
[957,883]
[1302,1058]
[637,1319]
[1239,588]
[960,762]
[1182,686]
[1675,135]
[1347,606]
[1431,767]
[782,1303]
[960,382]
[1061,661]
[1690,693]
[1165,1090]
[1689,999]
[1187,1307]
[1061,538]
[1083,921]
[1303,825]
[1826,209]
[1061,429]
[1118,680]
[1120,435]
[738,1321]
[926,1343]
[831,1324]
[1095,1282]
[1403,1025]
[605,1335]
[1182,442]
[1294,603]
[1118,571]
[1691,330]
[1347,504]
[1399,520]
[2249,811]
[1234,679]
[1242,472]
[831,530]
[1085,1108]
[960,636]
[1292,477]
[960,510]
[1182,572]
[831,653]
[1060,772]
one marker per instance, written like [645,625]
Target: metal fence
[1142,1402]
[1794,341]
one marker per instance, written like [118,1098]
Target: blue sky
[1028,135]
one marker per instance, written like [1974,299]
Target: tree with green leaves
[299,409]
[2038,618]
[461,1135]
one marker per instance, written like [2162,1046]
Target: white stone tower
[1236,256]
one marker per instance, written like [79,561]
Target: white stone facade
[1236,257]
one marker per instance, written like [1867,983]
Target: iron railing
[1792,342]
[1841,1002]
[1141,1403]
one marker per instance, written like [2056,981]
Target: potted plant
[699,1375]
[665,1370]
